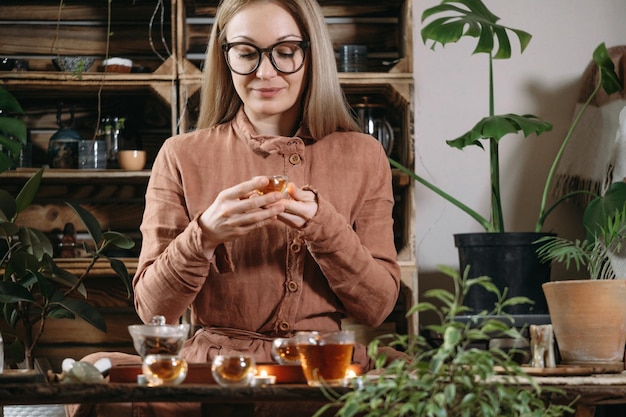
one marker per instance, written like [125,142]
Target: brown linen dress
[276,280]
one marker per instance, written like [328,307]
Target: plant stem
[83,276]
[473,214]
[542,212]
[497,219]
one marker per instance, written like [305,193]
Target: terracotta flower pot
[589,321]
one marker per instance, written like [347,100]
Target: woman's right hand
[238,210]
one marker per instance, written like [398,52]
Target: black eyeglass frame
[304,45]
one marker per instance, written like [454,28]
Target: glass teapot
[371,118]
[159,345]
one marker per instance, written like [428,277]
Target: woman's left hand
[300,208]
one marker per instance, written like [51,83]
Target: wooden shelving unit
[167,47]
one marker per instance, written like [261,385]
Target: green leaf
[120,269]
[38,243]
[90,222]
[7,229]
[7,205]
[118,239]
[611,83]
[15,131]
[600,210]
[12,292]
[28,192]
[85,311]
[6,162]
[8,103]
[60,313]
[21,263]
[46,289]
[66,278]
[496,127]
[455,19]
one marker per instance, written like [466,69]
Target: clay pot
[589,321]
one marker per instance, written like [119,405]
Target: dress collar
[268,144]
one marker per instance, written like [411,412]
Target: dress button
[292,286]
[295,247]
[284,326]
[294,158]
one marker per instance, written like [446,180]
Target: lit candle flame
[263,373]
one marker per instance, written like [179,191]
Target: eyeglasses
[286,57]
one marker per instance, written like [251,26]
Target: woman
[252,267]
[255,267]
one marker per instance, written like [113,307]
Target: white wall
[451,96]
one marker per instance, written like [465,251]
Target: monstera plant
[509,258]
[455,20]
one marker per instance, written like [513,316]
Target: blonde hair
[325,109]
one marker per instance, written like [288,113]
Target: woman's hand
[238,210]
[299,209]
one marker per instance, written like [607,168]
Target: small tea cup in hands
[277,183]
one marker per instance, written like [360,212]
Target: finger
[292,220]
[245,189]
[299,194]
[251,220]
[259,202]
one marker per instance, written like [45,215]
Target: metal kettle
[63,145]
[371,118]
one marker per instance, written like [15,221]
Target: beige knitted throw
[596,154]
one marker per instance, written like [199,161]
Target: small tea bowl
[132,160]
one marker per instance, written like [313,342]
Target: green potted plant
[13,133]
[453,377]
[589,316]
[449,22]
[33,289]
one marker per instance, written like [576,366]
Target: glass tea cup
[159,346]
[325,357]
[233,370]
[285,351]
[277,183]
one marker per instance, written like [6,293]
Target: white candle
[264,379]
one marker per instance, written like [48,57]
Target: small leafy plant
[452,377]
[13,134]
[33,288]
[453,20]
[604,221]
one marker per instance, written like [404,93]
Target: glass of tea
[233,370]
[325,357]
[285,351]
[277,183]
[159,346]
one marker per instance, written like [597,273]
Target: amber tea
[325,364]
[233,371]
[288,353]
[277,183]
[325,358]
[164,369]
[285,351]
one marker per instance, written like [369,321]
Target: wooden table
[308,399]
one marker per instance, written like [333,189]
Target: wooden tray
[567,370]
[200,373]
[10,376]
